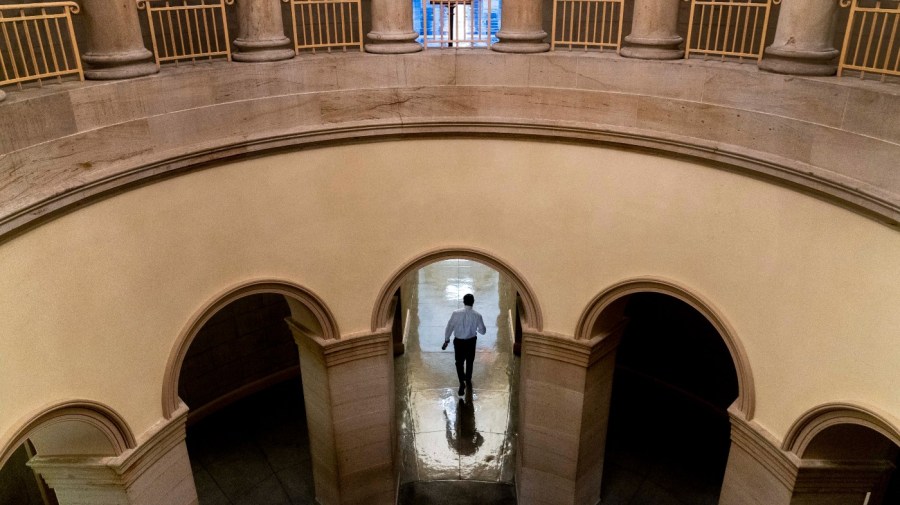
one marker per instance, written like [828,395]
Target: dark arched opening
[669,431]
[247,435]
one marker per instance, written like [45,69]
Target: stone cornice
[763,125]
[762,446]
[119,470]
[568,350]
[346,349]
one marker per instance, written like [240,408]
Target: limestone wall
[92,302]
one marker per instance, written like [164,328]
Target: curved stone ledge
[835,138]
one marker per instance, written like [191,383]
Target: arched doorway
[237,369]
[444,436]
[848,456]
[669,430]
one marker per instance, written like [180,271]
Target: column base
[392,43]
[253,51]
[819,63]
[528,42]
[652,48]
[119,65]
[2,95]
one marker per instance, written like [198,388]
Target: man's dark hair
[469,300]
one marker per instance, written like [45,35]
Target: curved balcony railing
[187,30]
[871,40]
[728,28]
[37,42]
[326,25]
[587,24]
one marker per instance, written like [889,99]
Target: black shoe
[462,389]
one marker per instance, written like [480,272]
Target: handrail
[36,44]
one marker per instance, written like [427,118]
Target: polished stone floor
[444,436]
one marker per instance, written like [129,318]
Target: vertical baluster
[881,32]
[21,51]
[599,10]
[749,7]
[65,53]
[174,50]
[725,49]
[9,46]
[868,51]
[571,24]
[49,33]
[206,30]
[762,34]
[891,45]
[37,34]
[736,30]
[190,51]
[200,33]
[183,49]
[603,15]
[7,51]
[578,23]
[318,25]
[703,14]
[299,8]
[862,26]
[620,9]
[344,41]
[225,36]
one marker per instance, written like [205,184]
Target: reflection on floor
[443,436]
[254,452]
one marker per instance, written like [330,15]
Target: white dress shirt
[463,324]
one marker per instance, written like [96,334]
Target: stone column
[348,388]
[565,393]
[261,32]
[521,28]
[654,33]
[392,28]
[115,46]
[2,95]
[804,39]
[158,472]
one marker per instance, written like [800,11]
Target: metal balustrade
[458,23]
[728,28]
[871,38]
[37,42]
[587,24]
[326,24]
[187,30]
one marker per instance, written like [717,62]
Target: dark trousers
[464,351]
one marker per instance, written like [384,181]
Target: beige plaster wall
[91,303]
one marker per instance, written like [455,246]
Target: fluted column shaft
[115,46]
[654,34]
[392,28]
[804,39]
[261,32]
[521,28]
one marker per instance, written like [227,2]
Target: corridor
[443,436]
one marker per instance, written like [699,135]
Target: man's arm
[449,329]
[481,328]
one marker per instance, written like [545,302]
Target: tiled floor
[254,452]
[444,436]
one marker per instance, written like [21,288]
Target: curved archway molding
[299,299]
[382,315]
[104,419]
[820,418]
[603,312]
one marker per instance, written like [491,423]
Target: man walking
[463,325]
